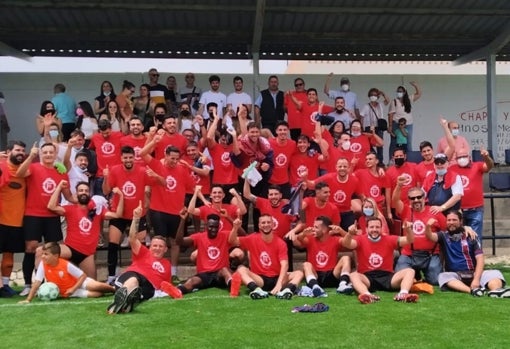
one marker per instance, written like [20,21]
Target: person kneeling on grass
[375,262]
[268,262]
[148,270]
[71,280]
[464,261]
[212,257]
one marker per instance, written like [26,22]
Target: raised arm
[53,205]
[348,241]
[233,239]
[328,83]
[241,208]
[417,90]
[428,230]
[409,237]
[23,169]
[120,205]
[179,237]
[133,229]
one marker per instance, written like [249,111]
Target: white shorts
[81,292]
[487,276]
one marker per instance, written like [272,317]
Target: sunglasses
[412,198]
[297,85]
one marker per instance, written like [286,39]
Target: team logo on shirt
[355,147]
[375,191]
[375,260]
[418,227]
[49,186]
[408,178]
[225,158]
[275,223]
[301,170]
[61,274]
[137,153]
[428,173]
[312,116]
[265,259]
[281,160]
[195,177]
[108,148]
[339,196]
[465,181]
[321,258]
[171,183]
[213,252]
[85,224]
[158,267]
[129,188]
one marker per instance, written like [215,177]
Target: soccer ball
[48,291]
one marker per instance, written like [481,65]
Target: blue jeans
[393,140]
[430,274]
[474,219]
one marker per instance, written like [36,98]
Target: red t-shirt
[341,192]
[204,181]
[360,146]
[169,198]
[225,224]
[107,150]
[41,183]
[176,140]
[282,154]
[132,184]
[372,186]
[137,144]
[375,255]
[408,169]
[82,233]
[323,255]
[281,221]
[312,211]
[301,162]
[334,155]
[212,254]
[294,115]
[308,117]
[423,170]
[472,182]
[153,269]
[420,220]
[224,170]
[265,257]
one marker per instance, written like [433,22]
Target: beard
[17,159]
[83,199]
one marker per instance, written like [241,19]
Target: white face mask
[345,87]
[53,133]
[355,134]
[400,94]
[346,145]
[455,132]
[373,98]
[106,93]
[463,162]
[2,100]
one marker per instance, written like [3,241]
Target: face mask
[368,211]
[455,132]
[463,162]
[53,133]
[106,93]
[79,112]
[2,100]
[373,98]
[346,145]
[399,161]
[400,94]
[441,171]
[185,113]
[355,134]
[345,87]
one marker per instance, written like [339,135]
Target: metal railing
[493,237]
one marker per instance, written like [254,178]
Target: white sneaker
[286,293]
[25,291]
[345,288]
[125,242]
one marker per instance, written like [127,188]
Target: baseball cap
[440,158]
[344,80]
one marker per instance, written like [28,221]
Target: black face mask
[160,117]
[399,161]
[185,113]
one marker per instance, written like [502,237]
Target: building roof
[275,29]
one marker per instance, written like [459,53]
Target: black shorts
[327,279]
[147,288]
[35,228]
[347,219]
[164,224]
[211,279]
[380,280]
[76,256]
[12,239]
[269,282]
[123,223]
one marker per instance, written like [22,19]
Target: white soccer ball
[48,291]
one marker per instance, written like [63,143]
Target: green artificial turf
[211,319]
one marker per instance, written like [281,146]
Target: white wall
[457,97]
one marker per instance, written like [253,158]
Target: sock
[113,252]
[7,264]
[404,291]
[5,280]
[345,277]
[312,283]
[292,287]
[28,268]
[229,282]
[183,289]
[252,286]
[174,270]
